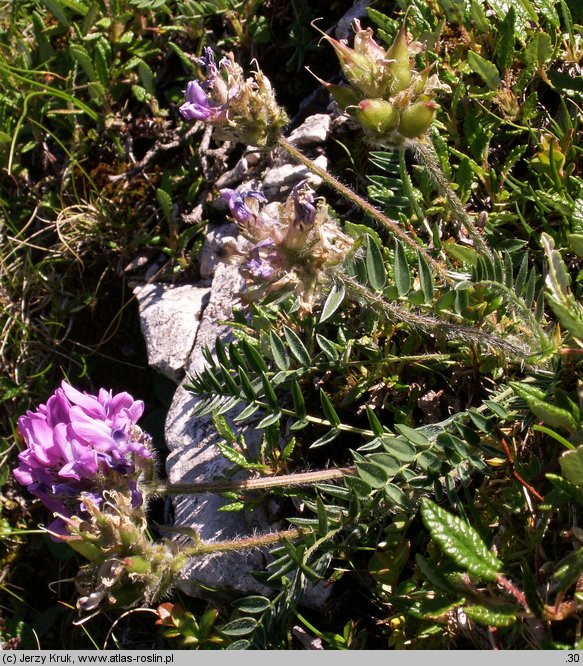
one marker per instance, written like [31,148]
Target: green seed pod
[137,565]
[416,119]
[377,116]
[343,95]
[399,70]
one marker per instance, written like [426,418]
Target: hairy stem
[426,157]
[513,590]
[205,548]
[284,481]
[392,226]
[423,322]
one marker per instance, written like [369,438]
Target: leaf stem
[425,323]
[427,158]
[392,226]
[206,548]
[284,481]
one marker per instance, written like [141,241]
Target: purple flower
[236,203]
[261,266]
[81,443]
[305,211]
[208,62]
[197,105]
[206,100]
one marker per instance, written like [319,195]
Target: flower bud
[377,116]
[343,96]
[399,69]
[416,119]
[137,565]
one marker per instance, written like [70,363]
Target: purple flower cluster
[81,444]
[290,244]
[238,108]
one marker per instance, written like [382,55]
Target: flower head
[79,443]
[240,109]
[124,566]
[388,98]
[287,250]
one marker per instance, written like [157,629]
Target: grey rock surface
[313,130]
[209,257]
[280,179]
[169,318]
[195,457]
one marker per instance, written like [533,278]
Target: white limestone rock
[169,318]
[280,179]
[315,129]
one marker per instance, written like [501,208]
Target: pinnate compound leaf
[460,541]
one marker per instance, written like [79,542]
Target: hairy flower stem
[426,157]
[513,590]
[392,226]
[431,325]
[284,481]
[206,548]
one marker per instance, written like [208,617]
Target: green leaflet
[572,466]
[57,11]
[539,49]
[505,43]
[425,278]
[252,604]
[554,416]
[333,302]
[280,355]
[399,448]
[297,347]
[402,274]
[571,318]
[485,69]
[491,617]
[460,541]
[328,409]
[569,573]
[375,264]
[373,474]
[240,627]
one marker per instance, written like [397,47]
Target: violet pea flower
[263,267]
[305,211]
[79,443]
[197,105]
[236,203]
